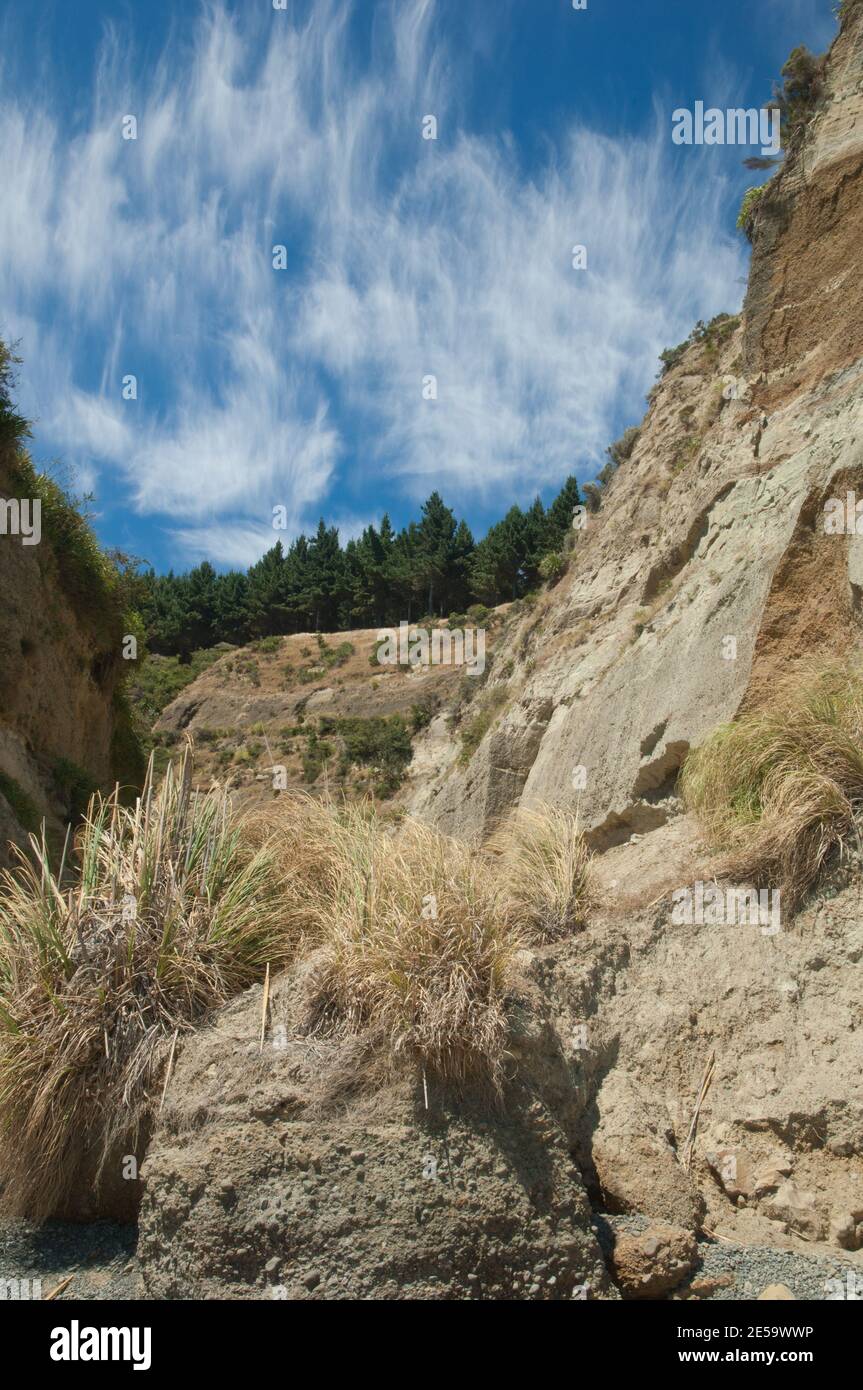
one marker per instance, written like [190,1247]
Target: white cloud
[407,257]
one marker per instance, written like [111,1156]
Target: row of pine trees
[431,567]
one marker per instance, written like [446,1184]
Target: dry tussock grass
[781,789]
[169,915]
[414,942]
[409,939]
[545,869]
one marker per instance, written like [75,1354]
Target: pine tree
[268,610]
[326,589]
[435,547]
[232,608]
[560,513]
[534,544]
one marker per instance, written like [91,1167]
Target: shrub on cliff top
[748,207]
[802,87]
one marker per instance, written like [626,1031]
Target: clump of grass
[414,947]
[780,790]
[168,913]
[545,871]
[475,729]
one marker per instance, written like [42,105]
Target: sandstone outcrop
[60,665]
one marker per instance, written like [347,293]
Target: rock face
[257,1187]
[707,574]
[776,1151]
[58,674]
[283,1173]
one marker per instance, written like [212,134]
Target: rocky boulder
[283,1173]
[653,1263]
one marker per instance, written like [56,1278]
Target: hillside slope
[314,708]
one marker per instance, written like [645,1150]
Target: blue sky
[406,257]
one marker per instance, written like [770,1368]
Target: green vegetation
[99,586]
[552,566]
[378,746]
[796,100]
[158,680]
[476,728]
[686,451]
[779,790]
[328,658]
[621,450]
[748,208]
[383,745]
[14,429]
[592,496]
[23,807]
[478,614]
[421,715]
[74,787]
[709,336]
[432,566]
[802,89]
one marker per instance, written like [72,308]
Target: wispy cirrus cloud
[405,258]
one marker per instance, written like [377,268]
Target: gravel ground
[751,1267]
[101,1258]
